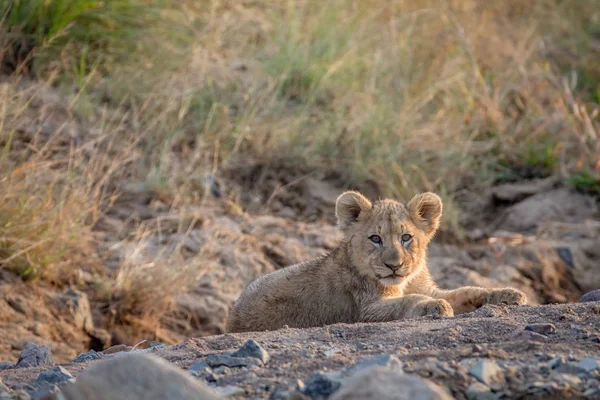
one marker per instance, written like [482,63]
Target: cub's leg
[469,298]
[404,307]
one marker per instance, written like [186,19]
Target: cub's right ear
[348,207]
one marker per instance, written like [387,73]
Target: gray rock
[320,386]
[530,336]
[561,205]
[556,362]
[218,360]
[23,386]
[136,376]
[588,364]
[592,393]
[568,379]
[200,366]
[566,255]
[513,192]
[331,352]
[222,371]
[488,372]
[89,356]
[479,391]
[252,349]
[289,391]
[34,356]
[151,349]
[3,388]
[54,375]
[384,360]
[542,329]
[43,392]
[594,295]
[229,391]
[381,383]
[7,365]
[476,348]
[571,369]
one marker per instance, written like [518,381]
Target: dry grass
[450,96]
[150,277]
[415,95]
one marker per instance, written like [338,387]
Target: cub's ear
[426,210]
[348,207]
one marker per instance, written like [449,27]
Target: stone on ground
[136,376]
[381,383]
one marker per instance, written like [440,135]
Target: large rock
[54,375]
[487,372]
[253,349]
[381,383]
[136,376]
[510,193]
[558,205]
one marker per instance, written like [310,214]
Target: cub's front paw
[433,307]
[507,296]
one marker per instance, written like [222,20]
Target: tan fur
[361,281]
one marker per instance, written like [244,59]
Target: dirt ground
[538,236]
[440,349]
[543,240]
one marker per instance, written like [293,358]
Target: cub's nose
[393,267]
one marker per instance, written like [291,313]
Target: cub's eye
[375,239]
[406,237]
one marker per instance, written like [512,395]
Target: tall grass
[414,94]
[56,34]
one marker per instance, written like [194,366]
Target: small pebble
[222,370]
[7,365]
[542,329]
[331,352]
[252,349]
[571,368]
[384,360]
[488,372]
[199,366]
[477,348]
[588,364]
[320,385]
[218,360]
[89,356]
[229,391]
[479,391]
[54,375]
[530,336]
[41,393]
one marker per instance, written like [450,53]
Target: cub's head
[387,239]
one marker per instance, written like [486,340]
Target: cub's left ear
[426,210]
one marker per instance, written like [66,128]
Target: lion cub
[377,273]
